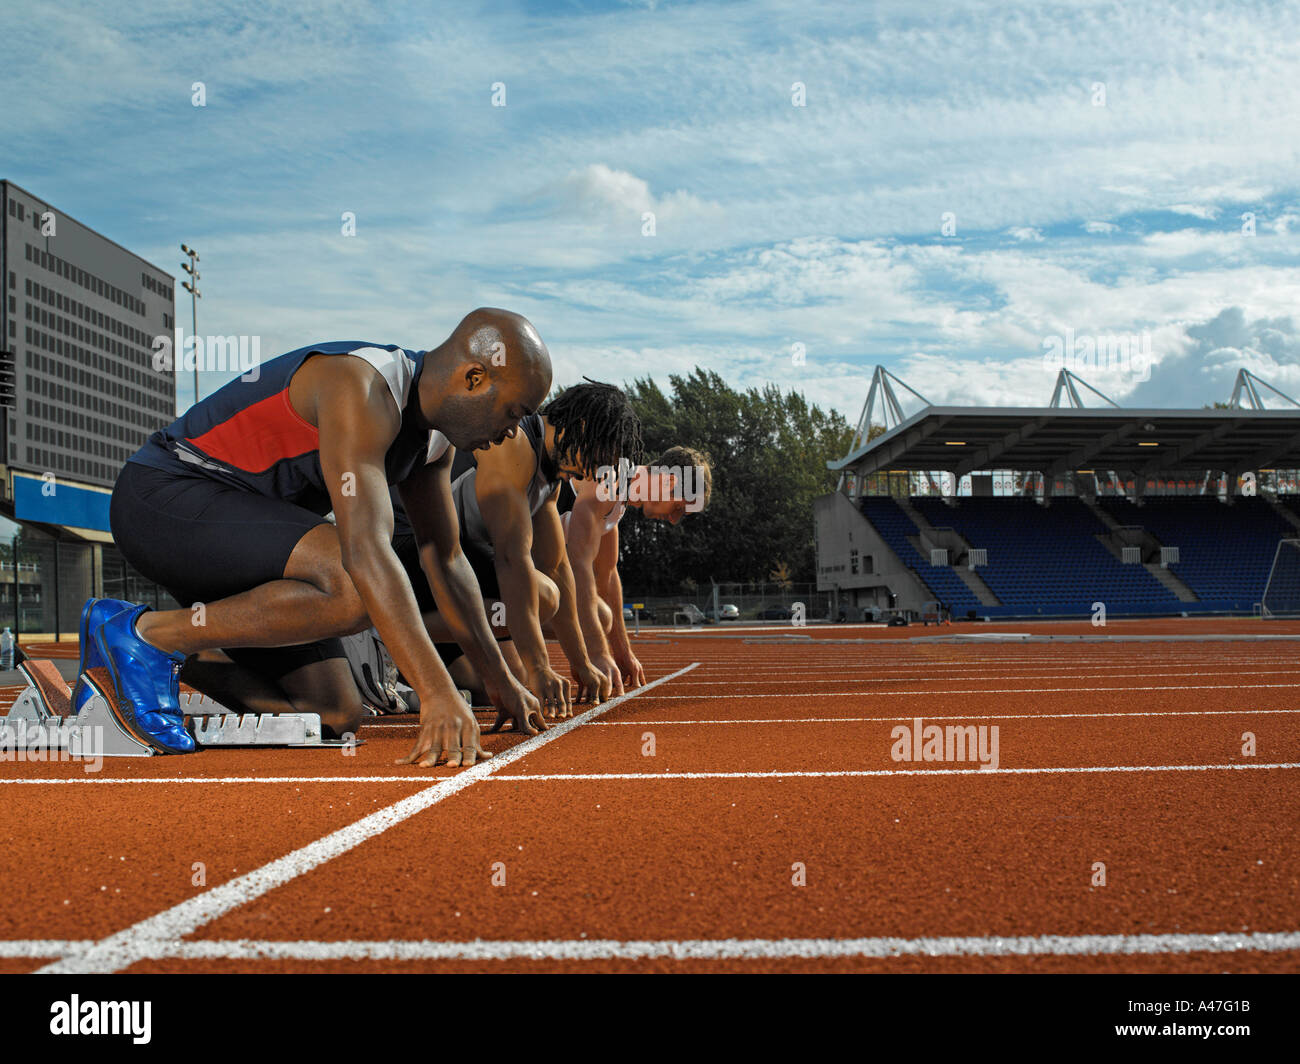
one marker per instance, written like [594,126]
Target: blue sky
[775,224]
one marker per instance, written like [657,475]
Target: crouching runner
[224,508]
[677,483]
[512,534]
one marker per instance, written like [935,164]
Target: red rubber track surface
[772,762]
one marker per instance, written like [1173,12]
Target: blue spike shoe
[146,682]
[94,613]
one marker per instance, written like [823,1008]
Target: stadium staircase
[1048,561]
[1225,550]
[1121,536]
[1061,559]
[899,532]
[930,538]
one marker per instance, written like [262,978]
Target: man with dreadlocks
[511,533]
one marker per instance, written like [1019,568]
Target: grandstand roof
[964,439]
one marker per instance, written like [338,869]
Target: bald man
[225,509]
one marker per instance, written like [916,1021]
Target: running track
[767,756]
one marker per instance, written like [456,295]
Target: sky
[968,193]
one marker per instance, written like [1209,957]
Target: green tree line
[769,451]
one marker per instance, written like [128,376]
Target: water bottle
[6,649]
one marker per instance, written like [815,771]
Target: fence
[752,601]
[54,579]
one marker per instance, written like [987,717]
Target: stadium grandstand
[1049,512]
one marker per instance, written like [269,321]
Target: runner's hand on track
[589,684]
[446,725]
[515,703]
[606,664]
[593,684]
[552,690]
[630,668]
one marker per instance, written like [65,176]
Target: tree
[769,451]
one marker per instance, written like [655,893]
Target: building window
[853,561]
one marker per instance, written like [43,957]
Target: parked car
[647,615]
[730,612]
[774,613]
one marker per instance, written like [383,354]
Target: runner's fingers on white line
[448,742]
[613,677]
[529,728]
[424,742]
[546,692]
[470,750]
[556,693]
[471,742]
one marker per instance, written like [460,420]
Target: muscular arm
[550,557]
[427,497]
[611,590]
[357,420]
[501,487]
[610,587]
[584,538]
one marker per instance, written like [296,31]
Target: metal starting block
[41,717]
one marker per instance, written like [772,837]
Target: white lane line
[961,716]
[824,662]
[1066,675]
[932,691]
[718,949]
[228,779]
[139,941]
[831,773]
[39,947]
[1056,658]
[867,694]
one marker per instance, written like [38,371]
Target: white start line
[1028,717]
[566,777]
[1067,674]
[703,775]
[742,949]
[143,940]
[933,691]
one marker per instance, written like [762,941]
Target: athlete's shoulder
[395,365]
[591,509]
[511,462]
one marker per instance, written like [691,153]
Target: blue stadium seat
[1047,560]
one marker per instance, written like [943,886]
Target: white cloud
[775,224]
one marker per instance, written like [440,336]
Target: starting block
[42,716]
